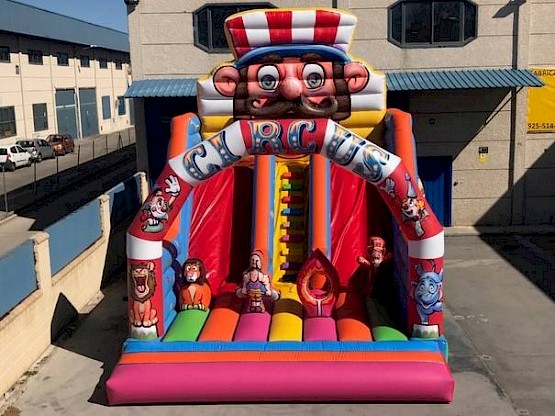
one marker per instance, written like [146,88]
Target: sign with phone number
[541,103]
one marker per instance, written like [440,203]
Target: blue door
[436,173]
[66,112]
[89,116]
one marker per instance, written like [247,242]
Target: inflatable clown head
[292,63]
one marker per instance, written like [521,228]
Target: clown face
[292,87]
[158,207]
[412,208]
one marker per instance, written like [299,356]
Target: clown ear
[356,75]
[226,79]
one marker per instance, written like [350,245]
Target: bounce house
[287,252]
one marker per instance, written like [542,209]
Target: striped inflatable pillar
[147,315]
[263,212]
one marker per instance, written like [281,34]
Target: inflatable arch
[323,137]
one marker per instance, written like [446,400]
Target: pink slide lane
[280,381]
[253,326]
[319,329]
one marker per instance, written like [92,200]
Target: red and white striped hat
[250,30]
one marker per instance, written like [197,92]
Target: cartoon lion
[143,284]
[196,293]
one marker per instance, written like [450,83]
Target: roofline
[69,17]
[110,38]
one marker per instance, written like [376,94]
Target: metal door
[88,110]
[436,173]
[66,112]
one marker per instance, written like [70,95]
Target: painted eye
[268,77]
[313,75]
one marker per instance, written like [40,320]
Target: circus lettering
[343,146]
[266,133]
[372,166]
[209,157]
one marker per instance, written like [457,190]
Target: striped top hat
[331,29]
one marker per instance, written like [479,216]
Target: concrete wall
[36,84]
[27,330]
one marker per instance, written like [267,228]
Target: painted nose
[291,88]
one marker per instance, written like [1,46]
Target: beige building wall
[505,189]
[23,84]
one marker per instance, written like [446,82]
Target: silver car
[38,149]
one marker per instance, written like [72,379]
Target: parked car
[13,156]
[61,143]
[38,149]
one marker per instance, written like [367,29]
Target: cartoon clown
[413,208]
[291,63]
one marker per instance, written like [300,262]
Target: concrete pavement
[499,323]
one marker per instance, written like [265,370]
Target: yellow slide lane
[290,245]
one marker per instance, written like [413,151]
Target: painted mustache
[300,107]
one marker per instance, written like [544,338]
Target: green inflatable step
[386,333]
[187,325]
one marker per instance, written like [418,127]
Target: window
[4,54]
[35,57]
[121,106]
[85,61]
[7,122]
[103,62]
[106,110]
[432,23]
[40,117]
[118,63]
[208,23]
[63,59]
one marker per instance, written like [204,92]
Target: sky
[109,13]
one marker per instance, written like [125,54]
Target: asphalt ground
[499,321]
[28,183]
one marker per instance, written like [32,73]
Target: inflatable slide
[287,252]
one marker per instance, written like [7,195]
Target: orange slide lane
[262,205]
[319,198]
[223,319]
[352,318]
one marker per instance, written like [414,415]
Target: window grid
[121,106]
[40,117]
[85,61]
[106,110]
[464,34]
[118,64]
[35,57]
[103,63]
[63,59]
[210,27]
[7,122]
[5,54]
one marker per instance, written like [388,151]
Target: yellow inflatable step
[287,322]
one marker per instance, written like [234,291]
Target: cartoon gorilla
[427,293]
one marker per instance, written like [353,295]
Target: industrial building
[60,75]
[477,77]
